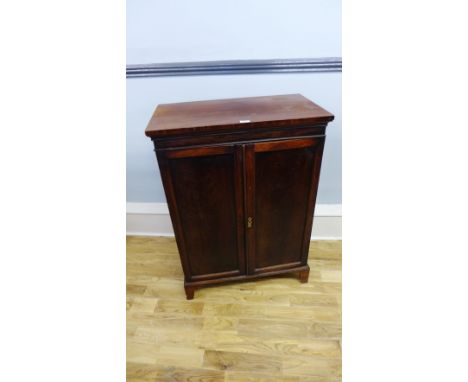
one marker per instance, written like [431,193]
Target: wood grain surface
[217,115]
[275,329]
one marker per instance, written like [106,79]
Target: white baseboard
[152,219]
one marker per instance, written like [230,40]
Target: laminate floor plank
[274,329]
[159,373]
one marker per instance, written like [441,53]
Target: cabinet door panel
[282,179]
[205,198]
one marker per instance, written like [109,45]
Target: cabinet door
[203,188]
[281,187]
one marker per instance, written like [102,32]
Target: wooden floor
[276,329]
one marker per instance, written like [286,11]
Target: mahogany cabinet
[240,177]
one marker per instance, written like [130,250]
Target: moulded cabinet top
[226,114]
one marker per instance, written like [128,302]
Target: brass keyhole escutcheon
[249,222]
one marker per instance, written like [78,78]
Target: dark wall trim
[332,64]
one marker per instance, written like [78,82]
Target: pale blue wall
[161,31]
[199,30]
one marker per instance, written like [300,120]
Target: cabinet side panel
[312,199]
[204,189]
[283,180]
[171,202]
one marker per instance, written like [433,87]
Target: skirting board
[152,219]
